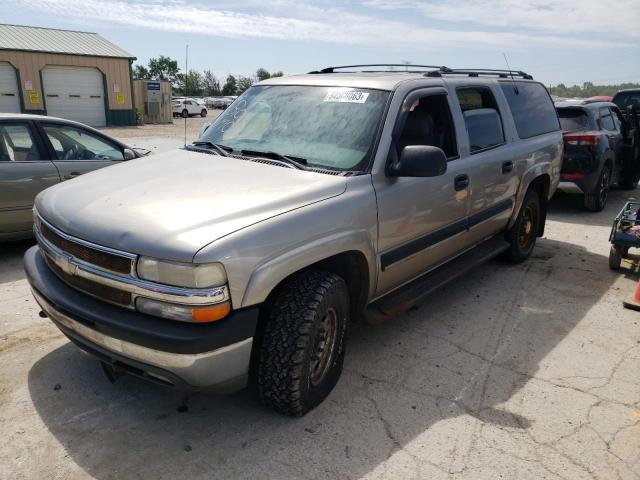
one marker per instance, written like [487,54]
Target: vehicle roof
[589,104]
[628,90]
[375,80]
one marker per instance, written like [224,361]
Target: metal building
[75,75]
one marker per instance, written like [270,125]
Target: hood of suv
[170,205]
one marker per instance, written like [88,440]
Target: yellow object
[211,314]
[120,98]
[34,98]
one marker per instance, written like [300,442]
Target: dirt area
[164,137]
[514,372]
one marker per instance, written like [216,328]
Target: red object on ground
[634,302]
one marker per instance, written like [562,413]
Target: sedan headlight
[188,275]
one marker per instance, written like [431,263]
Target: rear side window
[573,119]
[626,99]
[532,109]
[17,143]
[481,118]
[606,120]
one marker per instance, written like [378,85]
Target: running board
[405,297]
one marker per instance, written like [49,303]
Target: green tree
[210,84]
[230,86]
[140,71]
[163,68]
[193,86]
[262,74]
[243,84]
[277,74]
[589,89]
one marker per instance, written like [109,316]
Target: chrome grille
[101,259]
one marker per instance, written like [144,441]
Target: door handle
[507,167]
[71,175]
[461,182]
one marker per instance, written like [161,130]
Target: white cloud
[287,20]
[557,16]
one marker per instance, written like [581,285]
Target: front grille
[110,261]
[103,292]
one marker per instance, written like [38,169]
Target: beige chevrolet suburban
[312,200]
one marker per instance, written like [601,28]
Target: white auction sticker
[345,96]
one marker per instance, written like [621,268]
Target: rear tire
[615,257]
[185,113]
[522,235]
[596,200]
[302,347]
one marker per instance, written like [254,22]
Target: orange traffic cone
[634,302]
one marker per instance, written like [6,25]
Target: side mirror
[129,154]
[204,128]
[419,161]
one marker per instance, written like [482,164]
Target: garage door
[75,93]
[9,99]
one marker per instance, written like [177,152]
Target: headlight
[182,274]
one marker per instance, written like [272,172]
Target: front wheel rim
[324,349]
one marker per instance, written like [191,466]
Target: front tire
[522,235]
[203,113]
[615,257]
[303,344]
[596,200]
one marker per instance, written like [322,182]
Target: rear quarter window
[531,107]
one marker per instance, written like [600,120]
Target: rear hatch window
[573,119]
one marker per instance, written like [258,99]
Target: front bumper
[213,357]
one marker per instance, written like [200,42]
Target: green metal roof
[51,40]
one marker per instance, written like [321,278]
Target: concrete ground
[165,137]
[514,372]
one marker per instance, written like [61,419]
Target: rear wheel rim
[525,231]
[324,349]
[604,187]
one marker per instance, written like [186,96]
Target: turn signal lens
[212,313]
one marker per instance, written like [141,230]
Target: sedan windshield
[328,127]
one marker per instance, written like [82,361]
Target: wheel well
[541,186]
[352,266]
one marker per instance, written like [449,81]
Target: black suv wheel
[302,347]
[597,199]
[522,235]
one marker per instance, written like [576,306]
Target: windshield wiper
[298,162]
[221,149]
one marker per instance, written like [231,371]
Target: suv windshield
[329,127]
[625,99]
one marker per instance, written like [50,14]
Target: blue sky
[558,41]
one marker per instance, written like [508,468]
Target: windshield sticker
[346,96]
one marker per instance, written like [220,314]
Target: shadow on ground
[569,208]
[11,254]
[461,355]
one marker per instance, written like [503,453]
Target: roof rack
[437,71]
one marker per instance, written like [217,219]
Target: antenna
[186,89]
[515,87]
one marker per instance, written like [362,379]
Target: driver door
[76,150]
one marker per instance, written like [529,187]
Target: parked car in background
[37,152]
[600,98]
[599,150]
[222,102]
[188,107]
[312,199]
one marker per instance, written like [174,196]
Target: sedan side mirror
[204,128]
[129,154]
[419,161]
